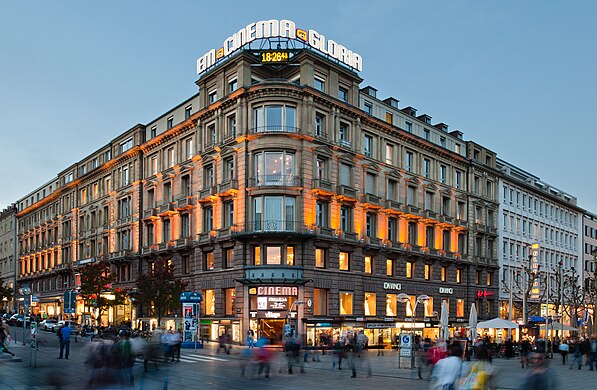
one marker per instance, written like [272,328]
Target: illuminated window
[320,302]
[370,304]
[458,275]
[230,294]
[391,305]
[320,254]
[344,261]
[410,305]
[210,302]
[274,168]
[460,308]
[257,255]
[229,257]
[429,307]
[368,265]
[290,255]
[208,261]
[488,278]
[427,270]
[410,269]
[389,117]
[389,267]
[444,273]
[346,299]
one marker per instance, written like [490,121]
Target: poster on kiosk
[190,313]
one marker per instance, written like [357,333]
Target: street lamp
[405,298]
[25,291]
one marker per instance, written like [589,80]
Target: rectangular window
[208,219]
[171,160]
[370,304]
[344,134]
[428,201]
[154,165]
[458,275]
[444,273]
[186,264]
[166,230]
[459,308]
[320,302]
[188,148]
[369,108]
[426,168]
[320,255]
[319,84]
[345,175]
[442,142]
[185,222]
[389,267]
[391,305]
[445,205]
[228,167]
[442,174]
[230,294]
[389,154]
[410,269]
[410,195]
[213,96]
[153,132]
[187,112]
[344,261]
[228,213]
[427,271]
[346,219]
[368,265]
[232,85]
[319,125]
[408,162]
[343,94]
[389,117]
[392,229]
[126,145]
[125,176]
[320,171]
[208,261]
[321,211]
[169,123]
[368,145]
[371,225]
[231,129]
[228,257]
[427,134]
[346,299]
[209,298]
[408,126]
[185,185]
[489,278]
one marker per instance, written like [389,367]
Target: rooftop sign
[280,29]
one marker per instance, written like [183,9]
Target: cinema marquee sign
[280,29]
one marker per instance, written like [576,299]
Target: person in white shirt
[447,371]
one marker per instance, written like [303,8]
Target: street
[220,371]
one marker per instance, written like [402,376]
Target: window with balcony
[274,168]
[346,218]
[393,229]
[228,208]
[429,200]
[445,205]
[231,128]
[274,213]
[228,168]
[275,118]
[166,230]
[408,161]
[370,183]
[430,237]
[426,168]
[210,136]
[412,233]
[345,175]
[320,168]
[208,177]
[185,185]
[344,134]
[185,225]
[389,154]
[392,190]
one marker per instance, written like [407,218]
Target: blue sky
[515,76]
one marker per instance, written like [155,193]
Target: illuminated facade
[285,193]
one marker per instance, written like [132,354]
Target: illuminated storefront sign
[392,286]
[535,270]
[277,290]
[272,303]
[283,29]
[446,290]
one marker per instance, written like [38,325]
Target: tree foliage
[158,291]
[96,284]
[5,291]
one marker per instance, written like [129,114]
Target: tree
[159,290]
[574,296]
[96,285]
[523,281]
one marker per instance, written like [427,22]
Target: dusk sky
[518,77]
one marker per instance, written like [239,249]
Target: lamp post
[405,298]
[25,291]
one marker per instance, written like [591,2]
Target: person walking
[380,344]
[577,353]
[541,376]
[564,348]
[447,371]
[593,352]
[64,335]
[250,338]
[4,338]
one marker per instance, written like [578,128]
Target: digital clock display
[274,56]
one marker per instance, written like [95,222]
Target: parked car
[48,324]
[17,320]
[73,326]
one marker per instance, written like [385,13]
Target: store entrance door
[272,330]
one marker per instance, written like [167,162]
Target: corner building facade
[286,194]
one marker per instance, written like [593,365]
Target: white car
[48,324]
[73,326]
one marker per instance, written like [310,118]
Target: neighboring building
[589,248]
[279,190]
[8,235]
[534,212]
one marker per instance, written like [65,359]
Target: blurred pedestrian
[250,338]
[4,339]
[576,350]
[564,348]
[541,376]
[447,371]
[380,344]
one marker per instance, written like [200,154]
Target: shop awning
[497,323]
[558,326]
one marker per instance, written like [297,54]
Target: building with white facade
[533,212]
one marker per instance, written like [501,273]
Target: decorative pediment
[372,167]
[429,186]
[324,150]
[227,150]
[413,180]
[394,173]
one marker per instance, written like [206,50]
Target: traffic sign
[405,340]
